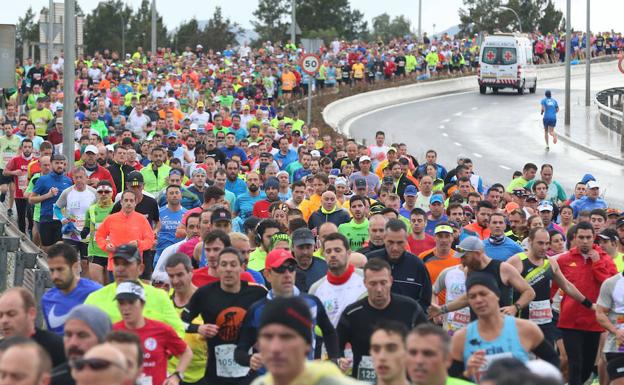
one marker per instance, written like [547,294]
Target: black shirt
[51,343]
[61,375]
[306,278]
[217,155]
[226,310]
[148,207]
[359,319]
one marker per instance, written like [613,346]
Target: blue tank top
[506,345]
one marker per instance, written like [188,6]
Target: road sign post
[310,64]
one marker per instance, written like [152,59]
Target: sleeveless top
[539,278]
[506,292]
[506,345]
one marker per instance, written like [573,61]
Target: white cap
[171,100]
[364,158]
[315,154]
[593,184]
[340,181]
[91,148]
[253,144]
[110,147]
[193,126]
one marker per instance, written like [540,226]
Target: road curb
[590,150]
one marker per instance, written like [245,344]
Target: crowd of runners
[207,235]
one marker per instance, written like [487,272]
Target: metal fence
[610,104]
[22,263]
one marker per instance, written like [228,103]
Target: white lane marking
[445,121]
[458,144]
[444,134]
[459,113]
[474,108]
[441,126]
[477,155]
[504,167]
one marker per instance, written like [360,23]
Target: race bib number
[22,182]
[226,366]
[457,320]
[540,312]
[366,370]
[619,324]
[145,380]
[489,358]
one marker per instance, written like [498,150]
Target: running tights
[582,347]
[21,204]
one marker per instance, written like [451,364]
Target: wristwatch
[518,308]
[177,374]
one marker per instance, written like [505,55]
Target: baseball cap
[545,206]
[436,198]
[619,222]
[315,154]
[91,148]
[531,198]
[391,149]
[303,236]
[608,235]
[443,227]
[198,170]
[511,206]
[253,144]
[468,244]
[134,178]
[130,290]
[387,180]
[128,252]
[277,258]
[613,212]
[58,157]
[410,191]
[200,104]
[360,183]
[172,135]
[59,120]
[193,126]
[221,214]
[365,158]
[519,192]
[340,181]
[593,184]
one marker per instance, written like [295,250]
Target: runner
[550,108]
[387,349]
[223,306]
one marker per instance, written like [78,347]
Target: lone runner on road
[550,107]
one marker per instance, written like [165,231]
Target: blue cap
[172,135]
[410,191]
[436,198]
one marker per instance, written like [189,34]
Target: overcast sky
[605,14]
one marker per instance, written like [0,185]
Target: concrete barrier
[336,114]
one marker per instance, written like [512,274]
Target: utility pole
[293,22]
[69,43]
[50,31]
[419,19]
[154,27]
[568,58]
[123,36]
[588,60]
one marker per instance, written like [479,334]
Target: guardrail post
[41,282]
[23,261]
[7,244]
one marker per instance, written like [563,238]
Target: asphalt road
[500,133]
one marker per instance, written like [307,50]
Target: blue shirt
[300,174]
[43,185]
[503,251]
[245,203]
[241,133]
[587,204]
[169,222]
[285,160]
[237,187]
[550,108]
[432,223]
[56,305]
[230,152]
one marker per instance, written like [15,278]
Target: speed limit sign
[310,64]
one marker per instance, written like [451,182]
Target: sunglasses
[93,364]
[104,191]
[291,267]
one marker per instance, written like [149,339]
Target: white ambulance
[506,61]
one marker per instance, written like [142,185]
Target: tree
[219,32]
[103,27]
[27,30]
[551,18]
[386,29]
[139,33]
[272,20]
[187,35]
[317,15]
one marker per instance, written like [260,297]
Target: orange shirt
[435,264]
[482,232]
[289,81]
[119,229]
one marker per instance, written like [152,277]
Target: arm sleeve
[330,337]
[247,339]
[425,294]
[189,313]
[546,352]
[457,369]
[344,332]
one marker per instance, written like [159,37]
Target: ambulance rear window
[490,55]
[508,56]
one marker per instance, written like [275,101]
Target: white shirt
[335,298]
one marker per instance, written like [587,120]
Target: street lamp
[515,13]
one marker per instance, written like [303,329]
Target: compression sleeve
[456,369]
[247,339]
[330,336]
[546,352]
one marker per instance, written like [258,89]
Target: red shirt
[21,182]
[420,245]
[202,278]
[159,342]
[261,209]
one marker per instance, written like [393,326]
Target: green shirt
[197,368]
[158,306]
[8,149]
[519,182]
[257,259]
[94,218]
[356,233]
[457,381]
[40,118]
[101,128]
[29,189]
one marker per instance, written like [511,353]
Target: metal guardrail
[22,263]
[610,104]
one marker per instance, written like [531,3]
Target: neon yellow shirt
[157,307]
[40,118]
[197,368]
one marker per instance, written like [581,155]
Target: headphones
[262,227]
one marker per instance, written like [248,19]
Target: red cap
[277,257]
